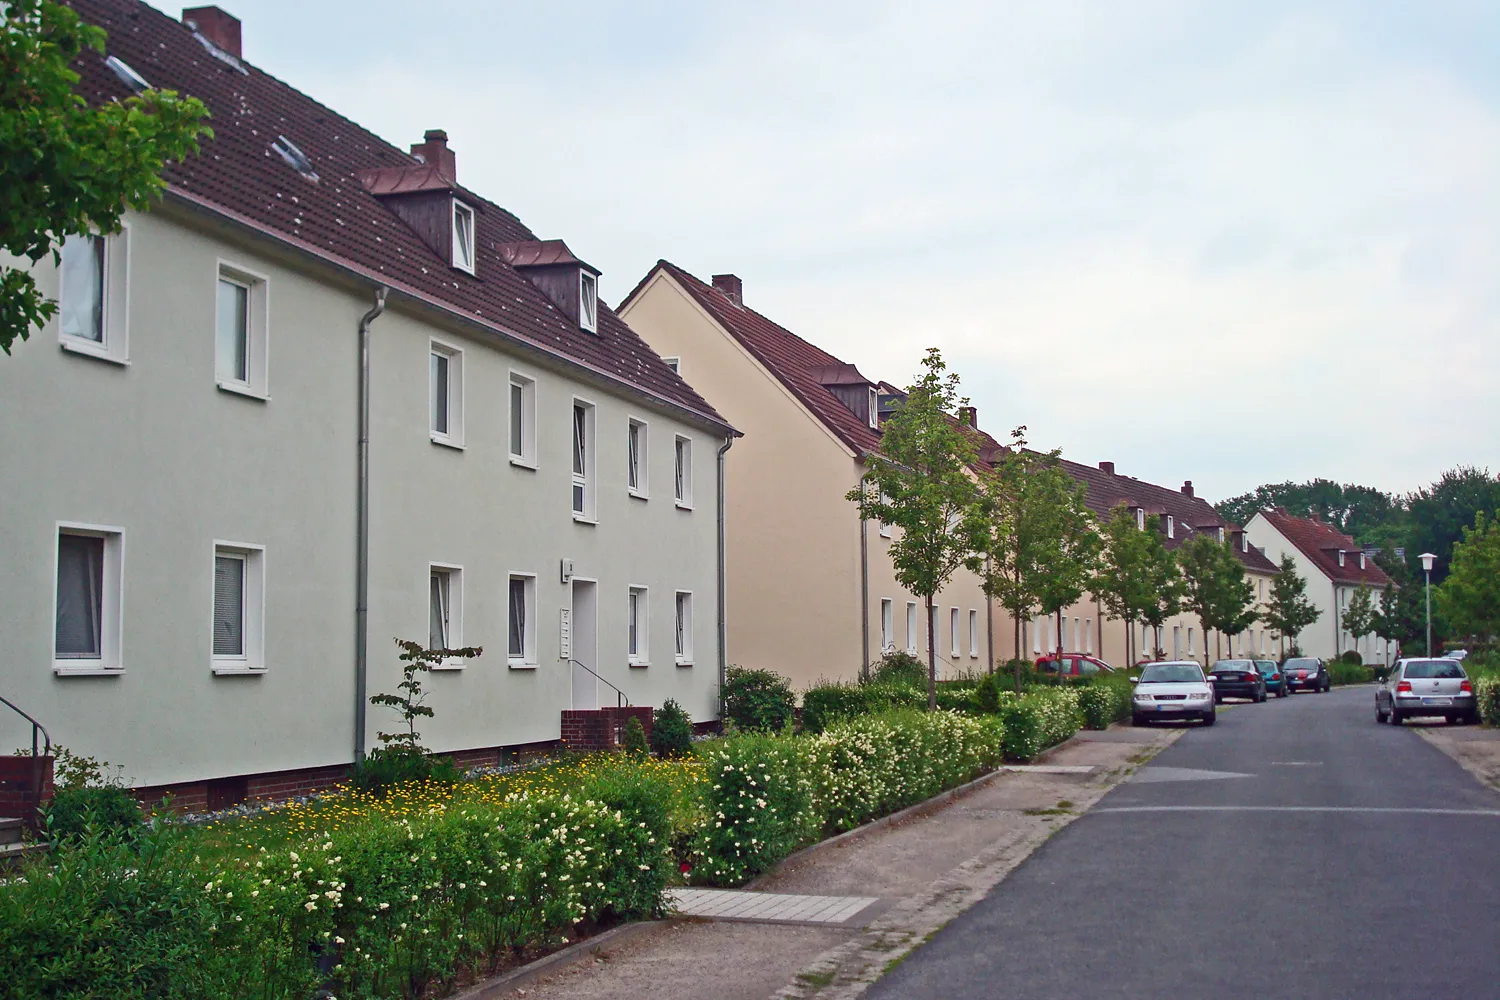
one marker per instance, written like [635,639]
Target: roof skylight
[294,157]
[128,76]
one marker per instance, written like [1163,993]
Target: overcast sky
[1232,243]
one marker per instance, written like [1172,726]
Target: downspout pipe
[723,622]
[864,599]
[362,529]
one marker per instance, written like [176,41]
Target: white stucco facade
[146,450]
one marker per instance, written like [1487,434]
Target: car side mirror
[1134,680]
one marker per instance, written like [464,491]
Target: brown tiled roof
[1321,542]
[239,177]
[792,360]
[1107,491]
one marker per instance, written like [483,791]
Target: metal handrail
[36,727]
[619,695]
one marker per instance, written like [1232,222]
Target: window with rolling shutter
[229,604]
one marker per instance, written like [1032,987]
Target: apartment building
[321,397]
[812,585]
[1334,566]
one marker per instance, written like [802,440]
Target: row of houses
[324,395]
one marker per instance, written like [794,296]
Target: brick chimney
[969,415]
[1108,468]
[731,286]
[1187,488]
[215,24]
[433,149]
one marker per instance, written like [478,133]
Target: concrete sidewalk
[922,871]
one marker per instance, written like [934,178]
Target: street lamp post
[1427,558]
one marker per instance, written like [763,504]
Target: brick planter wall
[25,786]
[601,729]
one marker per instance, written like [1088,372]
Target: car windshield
[1172,673]
[1233,665]
[1436,669]
[1303,663]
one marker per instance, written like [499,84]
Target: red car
[1073,665]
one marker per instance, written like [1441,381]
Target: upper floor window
[588,301]
[522,420]
[240,332]
[445,387]
[88,586]
[91,295]
[682,475]
[463,237]
[635,457]
[583,462]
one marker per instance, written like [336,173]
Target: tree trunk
[931,656]
[1059,642]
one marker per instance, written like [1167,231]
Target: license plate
[1169,708]
[1437,701]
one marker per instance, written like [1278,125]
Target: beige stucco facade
[796,594]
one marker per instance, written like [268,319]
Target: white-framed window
[682,472]
[1036,635]
[585,480]
[637,622]
[88,591]
[588,301]
[1176,642]
[911,626]
[637,454]
[239,608]
[445,608]
[521,620]
[1190,641]
[1088,636]
[1077,635]
[241,337]
[874,403]
[932,628]
[887,625]
[1171,527]
[885,530]
[953,630]
[1341,557]
[973,632]
[673,363]
[92,295]
[522,420]
[684,628]
[445,394]
[463,237]
[1140,518]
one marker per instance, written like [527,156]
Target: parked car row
[1181,688]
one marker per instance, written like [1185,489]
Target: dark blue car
[1275,681]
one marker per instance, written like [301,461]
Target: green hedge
[1104,704]
[1037,720]
[767,796]
[1487,692]
[384,908]
[832,702]
[1343,672]
[758,700]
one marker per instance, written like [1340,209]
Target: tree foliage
[1122,578]
[1165,586]
[1442,512]
[70,168]
[1362,614]
[922,482]
[1470,597]
[1289,611]
[1215,588]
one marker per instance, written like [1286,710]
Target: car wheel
[1284,692]
[1208,719]
[1139,720]
[1396,716]
[1380,716]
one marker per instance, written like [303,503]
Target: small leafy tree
[922,482]
[1202,580]
[1289,610]
[70,168]
[1361,614]
[401,755]
[671,730]
[1164,587]
[1236,609]
[1068,540]
[1469,599]
[758,700]
[1122,579]
[634,740]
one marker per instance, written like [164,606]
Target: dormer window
[1244,542]
[874,410]
[463,237]
[1140,518]
[588,301]
[1171,527]
[1221,535]
[1361,560]
[1341,557]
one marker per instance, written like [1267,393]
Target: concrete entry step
[768,907]
[11,830]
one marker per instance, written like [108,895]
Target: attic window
[1244,542]
[1361,560]
[874,409]
[1221,534]
[1341,557]
[588,301]
[463,237]
[294,157]
[1140,518]
[1171,527]
[128,76]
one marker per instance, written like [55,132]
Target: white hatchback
[1175,689]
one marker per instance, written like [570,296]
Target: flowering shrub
[1103,703]
[1038,719]
[1487,694]
[756,807]
[828,703]
[878,764]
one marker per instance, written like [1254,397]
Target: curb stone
[516,978]
[846,971]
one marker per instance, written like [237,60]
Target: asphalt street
[1296,849]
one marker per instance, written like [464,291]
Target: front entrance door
[585,644]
